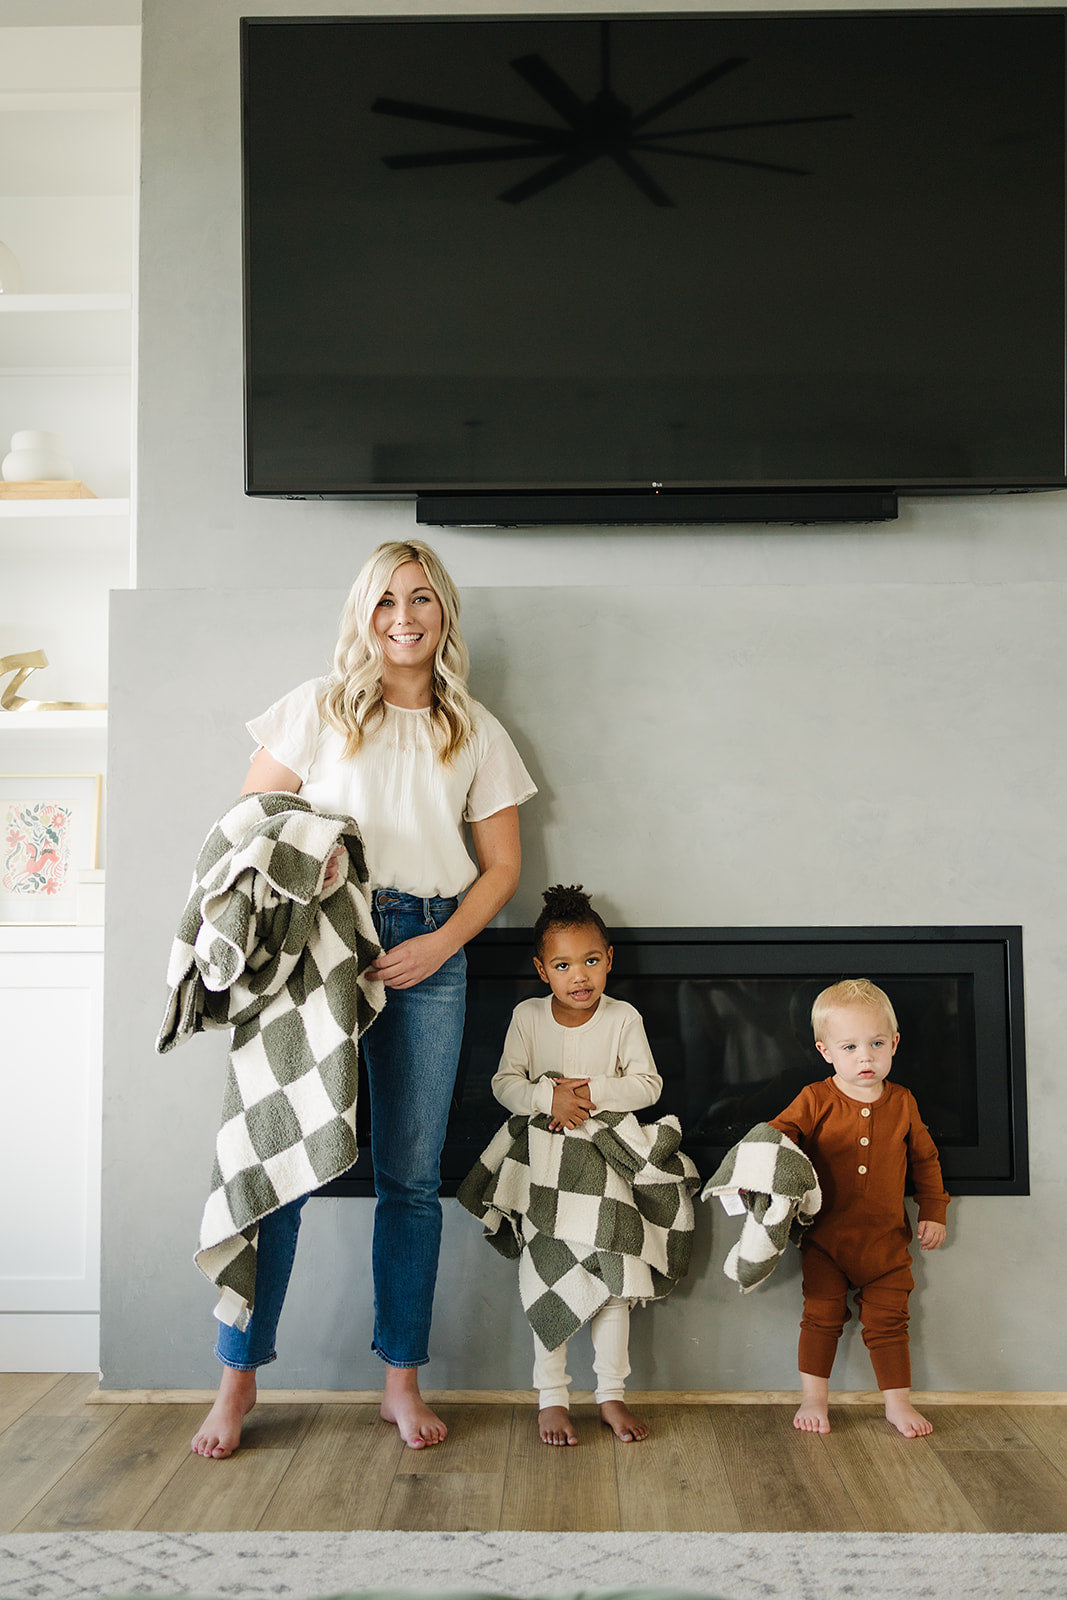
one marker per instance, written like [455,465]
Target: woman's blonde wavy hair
[354,703]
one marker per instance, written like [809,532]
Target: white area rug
[769,1566]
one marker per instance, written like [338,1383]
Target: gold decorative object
[20,665]
[46,489]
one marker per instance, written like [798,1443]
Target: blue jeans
[411,1053]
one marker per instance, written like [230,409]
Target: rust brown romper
[861,1153]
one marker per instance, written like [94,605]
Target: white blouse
[409,806]
[611,1049]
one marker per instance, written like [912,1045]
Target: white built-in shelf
[51,721]
[50,938]
[52,100]
[103,507]
[65,333]
[65,302]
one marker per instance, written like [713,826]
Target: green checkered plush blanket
[259,949]
[777,1184]
[602,1210]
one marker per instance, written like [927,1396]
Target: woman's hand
[336,870]
[408,963]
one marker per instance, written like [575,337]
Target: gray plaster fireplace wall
[898,772]
[728,728]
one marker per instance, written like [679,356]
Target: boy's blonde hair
[850,992]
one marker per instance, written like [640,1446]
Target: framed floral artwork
[49,832]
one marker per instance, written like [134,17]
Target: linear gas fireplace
[727,1014]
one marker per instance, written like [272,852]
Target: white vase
[35,455]
[10,271]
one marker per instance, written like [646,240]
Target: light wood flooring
[67,1464]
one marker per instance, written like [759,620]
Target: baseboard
[647,1397]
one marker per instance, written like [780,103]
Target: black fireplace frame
[983,964]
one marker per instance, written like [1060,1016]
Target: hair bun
[567,903]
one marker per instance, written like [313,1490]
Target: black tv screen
[635,252]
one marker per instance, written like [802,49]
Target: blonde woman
[393,739]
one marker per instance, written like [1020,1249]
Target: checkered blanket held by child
[775,1184]
[603,1210]
[259,949]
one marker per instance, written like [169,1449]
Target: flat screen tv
[622,259]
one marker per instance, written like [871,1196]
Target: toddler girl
[598,1207]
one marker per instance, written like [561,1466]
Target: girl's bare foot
[555,1427]
[221,1433]
[903,1415]
[622,1422]
[403,1405]
[814,1413]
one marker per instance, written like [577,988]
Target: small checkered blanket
[777,1185]
[602,1210]
[259,949]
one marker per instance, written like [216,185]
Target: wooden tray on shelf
[46,489]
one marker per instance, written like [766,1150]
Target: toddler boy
[862,1135]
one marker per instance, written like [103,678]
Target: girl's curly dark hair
[566,906]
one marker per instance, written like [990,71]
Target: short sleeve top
[410,806]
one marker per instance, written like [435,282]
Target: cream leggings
[610,1329]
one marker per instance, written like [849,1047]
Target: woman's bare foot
[403,1405]
[814,1413]
[903,1415]
[221,1433]
[555,1426]
[622,1422]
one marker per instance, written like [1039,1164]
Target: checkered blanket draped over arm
[604,1209]
[781,1194]
[260,950]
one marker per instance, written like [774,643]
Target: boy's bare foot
[555,1427]
[221,1433]
[814,1413]
[903,1415]
[403,1405]
[622,1422]
[812,1418]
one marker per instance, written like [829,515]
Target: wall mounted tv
[684,267]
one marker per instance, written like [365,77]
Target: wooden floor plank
[477,1442]
[339,1478]
[1047,1427]
[206,1496]
[113,1484]
[561,1488]
[35,1453]
[783,1481]
[983,1428]
[1013,1491]
[443,1502]
[275,1427]
[897,1485]
[675,1481]
[20,1390]
[67,1398]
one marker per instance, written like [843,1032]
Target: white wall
[777,727]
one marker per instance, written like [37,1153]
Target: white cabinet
[51,989]
[68,187]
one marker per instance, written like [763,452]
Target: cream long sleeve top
[611,1050]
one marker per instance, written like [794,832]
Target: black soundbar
[648,508]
